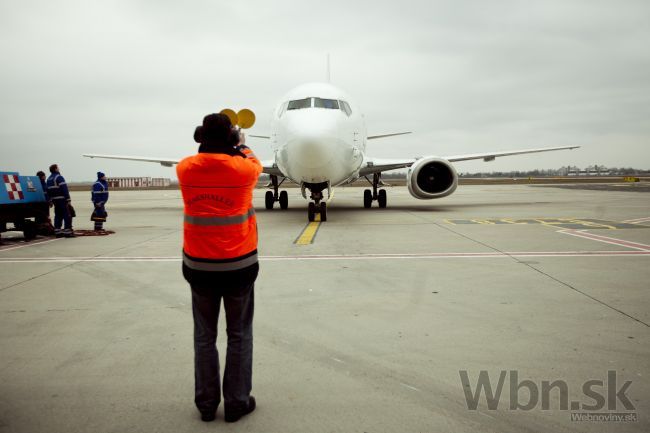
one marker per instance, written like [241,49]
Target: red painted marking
[607,239]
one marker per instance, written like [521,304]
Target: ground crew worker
[57,192]
[44,219]
[99,197]
[42,178]
[220,262]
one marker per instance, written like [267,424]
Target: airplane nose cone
[311,152]
[312,143]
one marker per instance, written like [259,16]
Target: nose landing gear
[319,209]
[272,196]
[379,195]
[316,207]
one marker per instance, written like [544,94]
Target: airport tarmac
[363,323]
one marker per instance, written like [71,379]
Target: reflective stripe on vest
[100,184]
[220,265]
[219,220]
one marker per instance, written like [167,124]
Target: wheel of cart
[29,230]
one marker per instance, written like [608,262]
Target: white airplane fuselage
[314,137]
[318,136]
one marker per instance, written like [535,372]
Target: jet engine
[431,177]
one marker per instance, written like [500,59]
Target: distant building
[138,182]
[592,170]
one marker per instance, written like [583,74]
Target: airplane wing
[490,156]
[166,162]
[377,165]
[393,134]
[269,166]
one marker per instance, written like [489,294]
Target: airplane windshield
[299,103]
[331,104]
[326,103]
[346,107]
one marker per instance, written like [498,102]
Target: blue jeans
[237,381]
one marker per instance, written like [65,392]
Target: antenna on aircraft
[328,68]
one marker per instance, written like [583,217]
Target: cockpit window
[299,103]
[282,109]
[346,107]
[326,103]
[331,104]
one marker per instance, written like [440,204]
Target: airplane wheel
[311,211]
[29,230]
[367,198]
[284,200]
[269,200]
[323,211]
[382,198]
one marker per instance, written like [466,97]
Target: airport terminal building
[138,182]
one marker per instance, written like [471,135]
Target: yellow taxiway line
[308,234]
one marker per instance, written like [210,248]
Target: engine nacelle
[431,177]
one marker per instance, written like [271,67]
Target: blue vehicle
[22,203]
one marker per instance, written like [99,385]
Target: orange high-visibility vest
[220,228]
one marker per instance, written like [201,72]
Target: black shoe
[59,235]
[70,235]
[208,415]
[234,415]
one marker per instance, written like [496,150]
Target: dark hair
[40,173]
[215,134]
[53,168]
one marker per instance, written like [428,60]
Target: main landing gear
[369,196]
[272,196]
[318,206]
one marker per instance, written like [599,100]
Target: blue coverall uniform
[44,185]
[99,198]
[57,192]
[45,217]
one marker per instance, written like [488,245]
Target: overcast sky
[135,77]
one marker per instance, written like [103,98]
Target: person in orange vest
[220,262]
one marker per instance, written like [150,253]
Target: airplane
[319,138]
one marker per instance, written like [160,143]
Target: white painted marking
[637,220]
[409,386]
[337,360]
[622,241]
[606,239]
[431,256]
[30,244]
